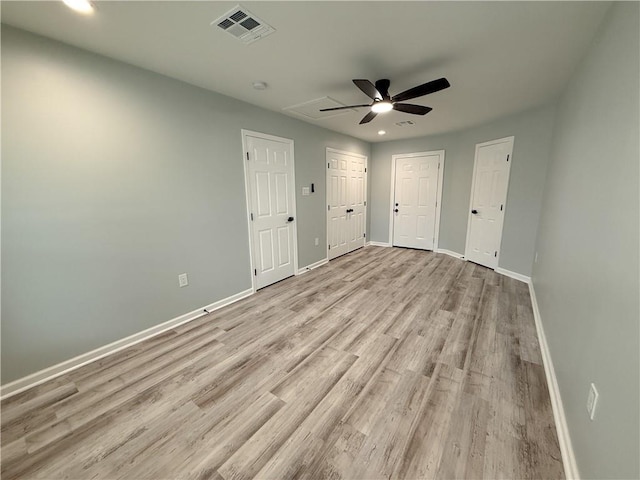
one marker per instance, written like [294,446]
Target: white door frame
[392,196]
[326,192]
[506,192]
[247,190]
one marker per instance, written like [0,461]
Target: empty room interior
[341,240]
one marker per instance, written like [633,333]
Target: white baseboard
[450,253]
[564,439]
[379,244]
[308,268]
[54,371]
[517,276]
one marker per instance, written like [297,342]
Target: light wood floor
[387,363]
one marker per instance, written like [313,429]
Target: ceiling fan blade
[343,108]
[410,108]
[369,90]
[368,117]
[420,90]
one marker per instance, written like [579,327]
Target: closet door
[346,204]
[357,198]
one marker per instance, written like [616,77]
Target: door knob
[396,210]
[475,212]
[290,219]
[349,210]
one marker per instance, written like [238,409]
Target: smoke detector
[243,25]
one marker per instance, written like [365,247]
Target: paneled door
[271,199]
[356,200]
[346,202]
[415,199]
[488,201]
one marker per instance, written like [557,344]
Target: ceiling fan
[382,102]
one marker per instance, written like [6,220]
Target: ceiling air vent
[243,25]
[405,123]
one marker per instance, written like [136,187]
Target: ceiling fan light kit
[381,106]
[383,102]
[82,6]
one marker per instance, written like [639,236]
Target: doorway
[488,204]
[416,199]
[271,207]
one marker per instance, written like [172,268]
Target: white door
[346,191]
[271,198]
[356,203]
[337,191]
[415,202]
[488,201]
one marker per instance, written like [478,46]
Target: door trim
[326,192]
[473,186]
[247,191]
[392,195]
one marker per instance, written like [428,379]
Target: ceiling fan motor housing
[382,86]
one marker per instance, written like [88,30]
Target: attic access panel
[311,109]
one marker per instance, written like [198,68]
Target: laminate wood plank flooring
[385,363]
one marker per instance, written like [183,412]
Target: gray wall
[114,181]
[586,278]
[532,131]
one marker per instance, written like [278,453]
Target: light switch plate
[305,191]
[183,281]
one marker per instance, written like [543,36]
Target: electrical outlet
[317,241]
[592,401]
[183,281]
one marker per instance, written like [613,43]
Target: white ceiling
[500,57]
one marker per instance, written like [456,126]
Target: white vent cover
[312,108]
[243,25]
[405,123]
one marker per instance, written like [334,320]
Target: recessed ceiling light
[381,107]
[381,132]
[259,85]
[82,6]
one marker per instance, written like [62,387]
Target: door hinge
[364,234]
[328,207]
[328,165]
[255,272]
[247,155]
[365,203]
[436,204]
[252,217]
[438,166]
[507,158]
[501,207]
[495,254]
[329,247]
[365,170]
